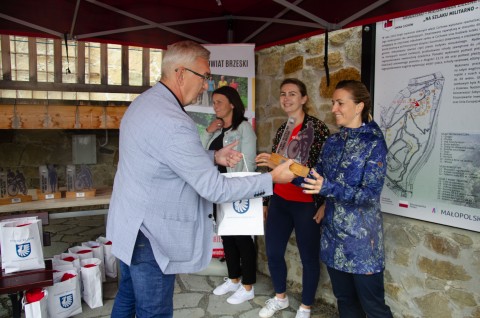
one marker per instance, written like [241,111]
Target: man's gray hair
[183,53]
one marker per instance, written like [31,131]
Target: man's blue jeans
[144,291]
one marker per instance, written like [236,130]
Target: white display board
[228,62]
[427,103]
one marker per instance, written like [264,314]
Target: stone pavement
[193,298]
[193,292]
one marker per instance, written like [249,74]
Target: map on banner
[427,103]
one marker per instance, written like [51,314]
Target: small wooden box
[16,199]
[48,196]
[80,194]
[296,168]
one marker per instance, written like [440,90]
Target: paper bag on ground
[244,217]
[83,252]
[34,303]
[64,298]
[97,249]
[110,259]
[92,292]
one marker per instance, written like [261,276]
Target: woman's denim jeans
[144,291]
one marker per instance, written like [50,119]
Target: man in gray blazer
[159,219]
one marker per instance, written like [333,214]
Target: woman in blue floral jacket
[350,174]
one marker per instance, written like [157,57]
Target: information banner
[232,65]
[427,103]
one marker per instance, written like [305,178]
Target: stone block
[462,298]
[269,64]
[434,305]
[315,45]
[353,51]
[442,245]
[338,38]
[348,73]
[443,269]
[293,65]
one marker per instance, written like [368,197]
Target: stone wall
[431,270]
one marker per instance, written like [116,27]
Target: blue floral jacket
[353,164]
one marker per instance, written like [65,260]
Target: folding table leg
[16,299]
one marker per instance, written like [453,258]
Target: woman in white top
[240,251]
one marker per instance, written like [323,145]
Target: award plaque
[298,148]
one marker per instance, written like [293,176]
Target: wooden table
[14,284]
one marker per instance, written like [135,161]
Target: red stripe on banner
[403,205]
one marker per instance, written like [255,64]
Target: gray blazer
[165,185]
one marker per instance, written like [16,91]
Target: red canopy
[157,23]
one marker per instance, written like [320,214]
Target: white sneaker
[240,296]
[302,313]
[272,306]
[226,287]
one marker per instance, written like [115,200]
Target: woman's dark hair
[360,94]
[301,87]
[234,98]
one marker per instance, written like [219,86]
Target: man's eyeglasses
[205,76]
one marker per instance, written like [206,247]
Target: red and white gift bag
[92,292]
[35,303]
[83,252]
[97,249]
[110,259]
[64,298]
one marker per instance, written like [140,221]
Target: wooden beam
[125,65]
[6,116]
[80,62]
[71,87]
[103,64]
[146,66]
[57,61]
[60,117]
[32,59]
[6,63]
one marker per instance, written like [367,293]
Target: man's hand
[282,173]
[227,156]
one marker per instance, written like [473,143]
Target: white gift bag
[36,308]
[92,292]
[21,246]
[58,267]
[110,259]
[64,298]
[24,220]
[66,258]
[83,252]
[97,249]
[244,217]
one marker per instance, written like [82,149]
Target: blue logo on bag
[66,301]
[241,206]
[23,250]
